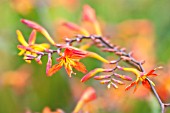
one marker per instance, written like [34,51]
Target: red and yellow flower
[140,77]
[69,59]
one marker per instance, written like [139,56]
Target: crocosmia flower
[29,49]
[69,59]
[140,77]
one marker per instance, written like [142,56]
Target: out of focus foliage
[142,26]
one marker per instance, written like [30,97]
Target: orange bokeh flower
[88,95]
[89,25]
[69,59]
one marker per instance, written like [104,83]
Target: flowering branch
[128,59]
[69,56]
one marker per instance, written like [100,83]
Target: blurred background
[142,26]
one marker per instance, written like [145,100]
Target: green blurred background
[55,91]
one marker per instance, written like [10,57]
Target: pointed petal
[153,70]
[80,67]
[54,69]
[32,37]
[91,74]
[21,38]
[21,52]
[136,87]
[150,72]
[129,86]
[68,69]
[146,84]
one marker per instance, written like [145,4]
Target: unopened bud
[102,77]
[118,81]
[104,81]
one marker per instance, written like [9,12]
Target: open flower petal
[21,38]
[68,69]
[146,84]
[54,69]
[80,67]
[129,86]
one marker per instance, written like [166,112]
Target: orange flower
[30,48]
[140,77]
[88,17]
[69,59]
[88,95]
